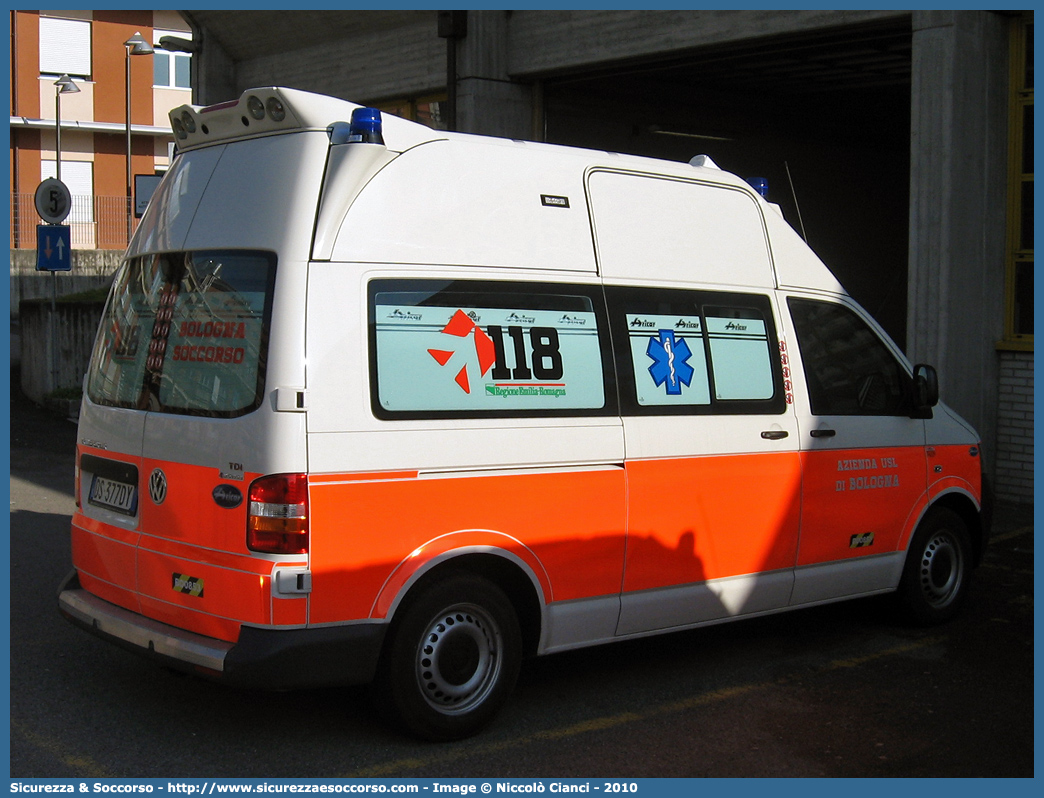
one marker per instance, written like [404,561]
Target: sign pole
[53,328]
[53,252]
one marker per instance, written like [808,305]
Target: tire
[452,658]
[938,569]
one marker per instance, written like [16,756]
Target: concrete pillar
[488,102]
[213,71]
[958,174]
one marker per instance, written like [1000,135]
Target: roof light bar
[270,110]
[258,111]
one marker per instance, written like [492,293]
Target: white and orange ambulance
[371,402]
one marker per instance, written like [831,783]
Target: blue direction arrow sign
[53,249]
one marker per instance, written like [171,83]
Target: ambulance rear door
[223,315]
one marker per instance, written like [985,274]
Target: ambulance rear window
[186,333]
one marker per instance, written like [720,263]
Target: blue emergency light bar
[366,126]
[760,185]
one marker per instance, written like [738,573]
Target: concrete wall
[45,365]
[546,42]
[90,269]
[356,68]
[56,348]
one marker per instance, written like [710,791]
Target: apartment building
[89,47]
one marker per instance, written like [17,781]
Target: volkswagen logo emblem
[157,486]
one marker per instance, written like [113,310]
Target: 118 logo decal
[538,358]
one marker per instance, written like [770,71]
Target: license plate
[113,495]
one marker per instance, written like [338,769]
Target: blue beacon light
[366,126]
[760,185]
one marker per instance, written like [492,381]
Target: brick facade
[1014,470]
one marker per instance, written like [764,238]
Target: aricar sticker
[481,358]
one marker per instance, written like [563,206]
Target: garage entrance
[832,109]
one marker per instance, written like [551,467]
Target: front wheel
[452,658]
[938,569]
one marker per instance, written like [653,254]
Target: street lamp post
[136,45]
[64,85]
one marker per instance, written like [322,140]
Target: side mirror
[926,390]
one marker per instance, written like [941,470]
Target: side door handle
[774,434]
[823,433]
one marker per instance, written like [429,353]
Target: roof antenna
[796,206]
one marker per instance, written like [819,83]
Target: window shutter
[79,177]
[65,47]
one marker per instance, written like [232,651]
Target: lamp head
[136,45]
[65,85]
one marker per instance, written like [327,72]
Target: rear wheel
[938,568]
[452,658]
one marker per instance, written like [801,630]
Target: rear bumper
[261,658]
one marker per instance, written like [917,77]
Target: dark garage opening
[833,110]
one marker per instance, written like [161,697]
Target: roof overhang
[92,127]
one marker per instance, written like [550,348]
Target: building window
[170,70]
[65,47]
[1019,285]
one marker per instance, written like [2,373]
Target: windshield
[186,332]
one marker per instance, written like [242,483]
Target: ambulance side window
[695,352]
[848,368]
[472,349]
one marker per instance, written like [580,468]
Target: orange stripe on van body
[128,537]
[114,594]
[289,611]
[959,471]
[106,553]
[187,536]
[191,535]
[860,492]
[227,595]
[333,479]
[104,557]
[251,563]
[369,534]
[957,468]
[189,513]
[694,519]
[685,521]
[473,541]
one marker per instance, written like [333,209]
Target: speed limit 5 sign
[53,200]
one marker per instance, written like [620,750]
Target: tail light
[277,522]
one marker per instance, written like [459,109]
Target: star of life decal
[670,367]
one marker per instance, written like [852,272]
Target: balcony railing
[94,222]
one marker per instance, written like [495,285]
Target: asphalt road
[839,691]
